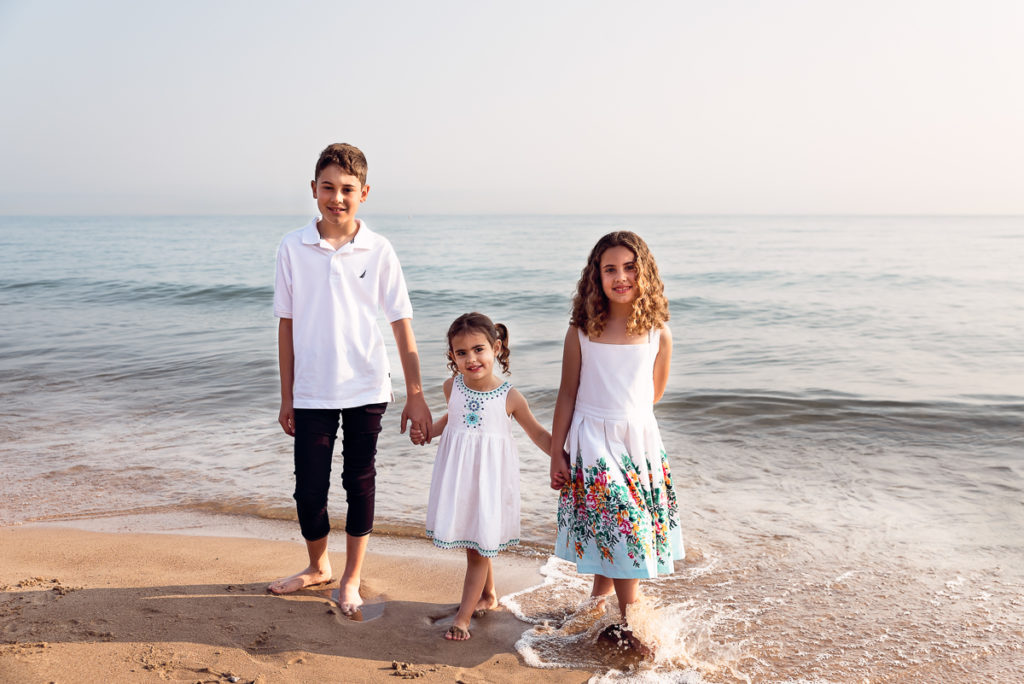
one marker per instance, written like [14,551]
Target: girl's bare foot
[456,633]
[622,638]
[349,600]
[487,602]
[595,605]
[310,577]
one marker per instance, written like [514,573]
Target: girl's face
[474,355]
[618,274]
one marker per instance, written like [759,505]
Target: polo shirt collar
[365,238]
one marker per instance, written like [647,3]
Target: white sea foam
[567,623]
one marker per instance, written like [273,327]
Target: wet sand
[86,606]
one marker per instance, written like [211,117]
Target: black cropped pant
[315,432]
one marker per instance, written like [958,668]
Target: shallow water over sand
[844,419]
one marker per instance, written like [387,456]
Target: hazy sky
[768,106]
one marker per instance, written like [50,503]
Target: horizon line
[527,214]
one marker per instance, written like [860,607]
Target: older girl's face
[618,275]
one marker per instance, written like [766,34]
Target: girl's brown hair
[590,305]
[478,323]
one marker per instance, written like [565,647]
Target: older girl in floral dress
[617,514]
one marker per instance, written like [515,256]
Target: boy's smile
[338,196]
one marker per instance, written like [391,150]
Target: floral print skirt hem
[619,516]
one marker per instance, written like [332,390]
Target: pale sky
[720,106]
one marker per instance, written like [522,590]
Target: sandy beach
[86,606]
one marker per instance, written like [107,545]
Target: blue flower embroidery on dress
[475,402]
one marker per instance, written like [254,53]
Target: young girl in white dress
[617,513]
[474,490]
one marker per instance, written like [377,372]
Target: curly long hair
[478,323]
[590,305]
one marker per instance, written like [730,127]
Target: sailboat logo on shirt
[363,273]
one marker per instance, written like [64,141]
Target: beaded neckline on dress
[489,393]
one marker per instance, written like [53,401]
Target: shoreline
[96,599]
[197,522]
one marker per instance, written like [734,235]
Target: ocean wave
[447,300]
[762,410]
[107,292]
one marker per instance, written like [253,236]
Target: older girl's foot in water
[598,603]
[623,639]
[310,577]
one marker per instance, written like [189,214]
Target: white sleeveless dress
[618,517]
[474,489]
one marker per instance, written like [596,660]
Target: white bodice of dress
[617,380]
[478,412]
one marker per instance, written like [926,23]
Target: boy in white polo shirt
[333,276]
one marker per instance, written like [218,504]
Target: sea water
[844,418]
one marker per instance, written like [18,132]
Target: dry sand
[87,606]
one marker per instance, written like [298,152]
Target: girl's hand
[560,470]
[417,436]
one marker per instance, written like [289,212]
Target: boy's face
[338,195]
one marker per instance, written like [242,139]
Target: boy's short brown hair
[348,157]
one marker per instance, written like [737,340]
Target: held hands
[560,470]
[416,436]
[416,412]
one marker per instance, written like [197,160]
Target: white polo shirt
[333,297]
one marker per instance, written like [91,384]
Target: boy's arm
[286,363]
[416,409]
[520,410]
[440,423]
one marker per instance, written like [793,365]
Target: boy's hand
[416,411]
[286,417]
[559,470]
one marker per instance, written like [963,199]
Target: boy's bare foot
[349,600]
[487,602]
[310,577]
[456,633]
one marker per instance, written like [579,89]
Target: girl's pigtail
[502,335]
